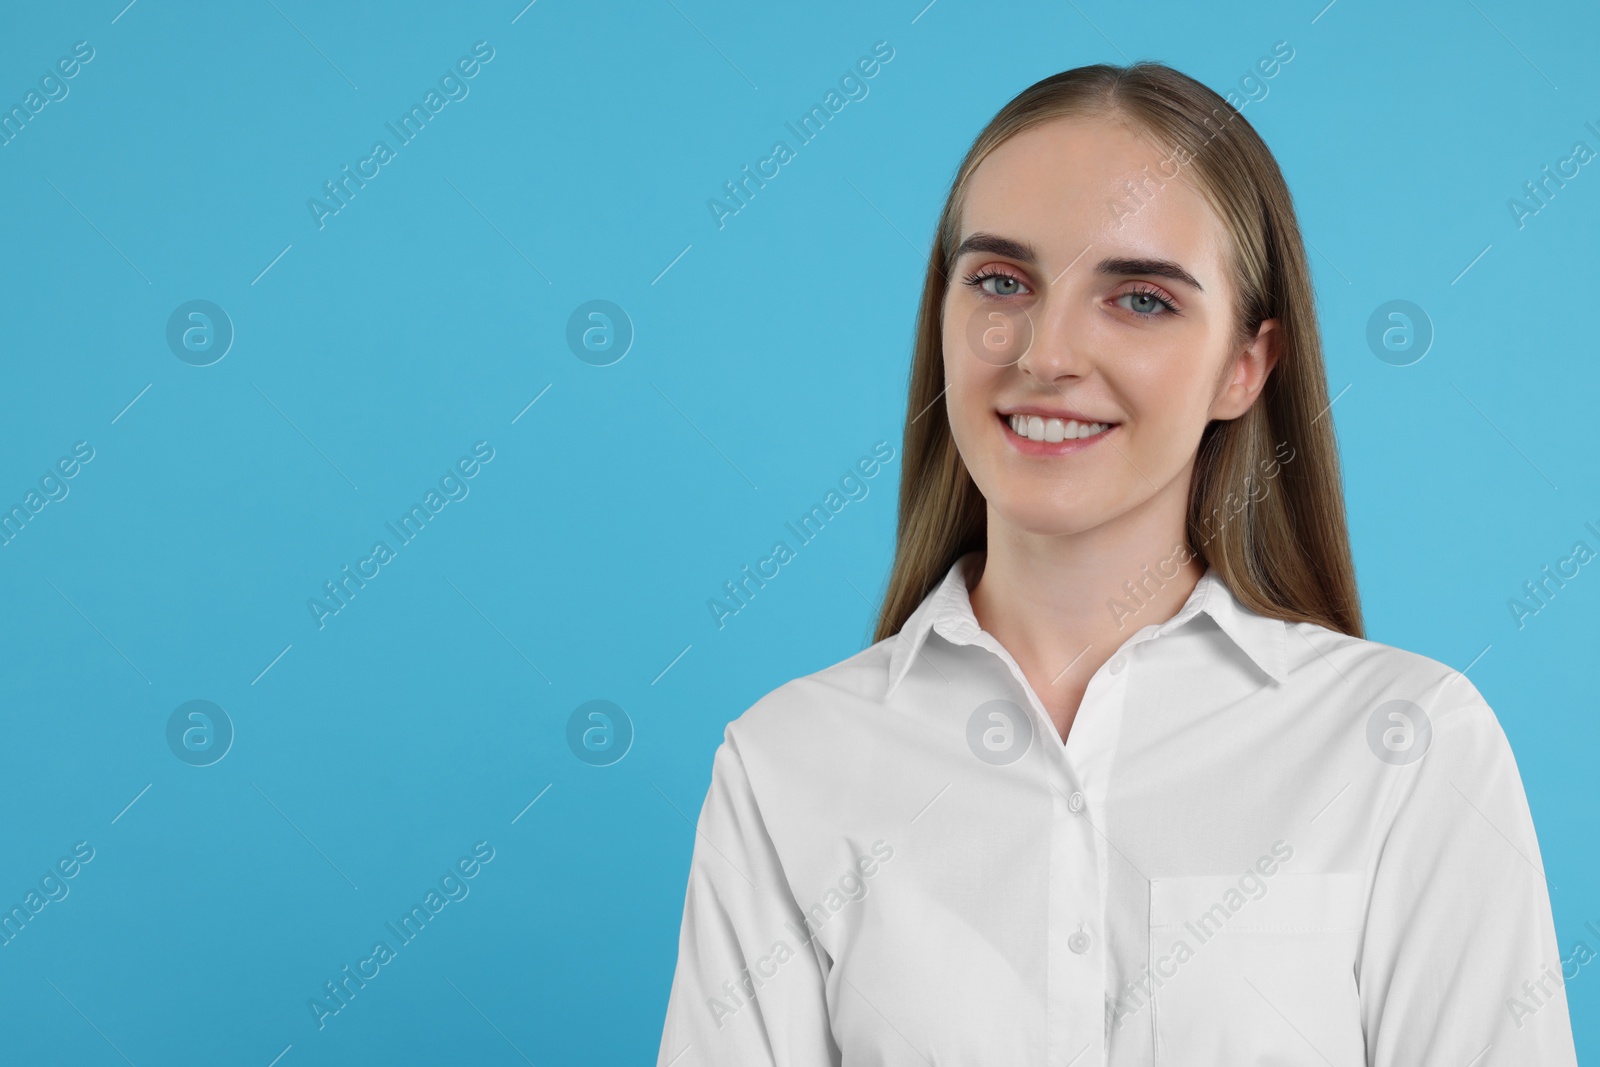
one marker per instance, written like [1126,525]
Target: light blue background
[431,310]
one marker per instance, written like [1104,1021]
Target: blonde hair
[1286,554]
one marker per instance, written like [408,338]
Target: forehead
[1072,182]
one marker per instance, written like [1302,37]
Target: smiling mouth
[1052,431]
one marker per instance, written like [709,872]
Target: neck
[1061,604]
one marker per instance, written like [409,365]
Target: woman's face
[1075,296]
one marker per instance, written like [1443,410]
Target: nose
[1059,348]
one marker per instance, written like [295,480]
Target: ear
[1247,375]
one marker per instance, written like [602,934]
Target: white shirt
[1244,854]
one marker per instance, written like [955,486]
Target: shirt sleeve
[749,986]
[1459,956]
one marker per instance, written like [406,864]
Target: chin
[1049,518]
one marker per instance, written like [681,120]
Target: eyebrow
[1023,252]
[1163,268]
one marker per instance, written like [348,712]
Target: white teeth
[1035,428]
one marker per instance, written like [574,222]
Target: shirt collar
[948,609]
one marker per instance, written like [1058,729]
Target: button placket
[1091,749]
[1076,988]
[1079,866]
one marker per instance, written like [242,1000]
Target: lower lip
[1029,447]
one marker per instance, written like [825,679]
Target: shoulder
[821,708]
[804,768]
[1414,735]
[1374,682]
[819,742]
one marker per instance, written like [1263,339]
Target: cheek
[970,385]
[1168,393]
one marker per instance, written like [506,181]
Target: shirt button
[1075,802]
[1079,942]
[1118,662]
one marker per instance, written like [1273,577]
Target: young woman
[1120,781]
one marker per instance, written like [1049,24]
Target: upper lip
[1051,413]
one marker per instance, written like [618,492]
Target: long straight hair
[1284,553]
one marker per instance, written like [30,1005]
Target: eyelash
[978,277]
[1158,295]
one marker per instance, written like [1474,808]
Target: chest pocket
[1257,973]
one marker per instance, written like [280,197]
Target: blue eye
[1145,302]
[1004,284]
